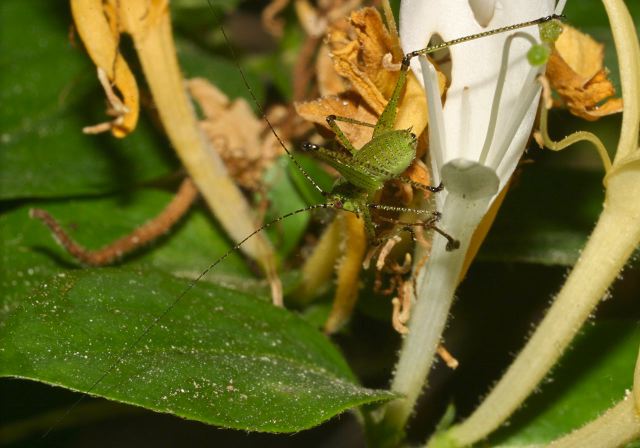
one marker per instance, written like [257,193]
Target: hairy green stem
[616,427]
[628,51]
[610,245]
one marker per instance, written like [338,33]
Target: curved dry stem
[571,139]
[138,238]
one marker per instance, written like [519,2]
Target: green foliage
[48,90]
[283,198]
[547,216]
[223,355]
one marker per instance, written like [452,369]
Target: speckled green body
[365,170]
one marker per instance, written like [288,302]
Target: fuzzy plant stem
[610,245]
[436,292]
[616,427]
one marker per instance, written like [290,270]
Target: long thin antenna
[260,109]
[127,350]
[505,29]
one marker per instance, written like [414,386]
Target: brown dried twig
[140,237]
[447,357]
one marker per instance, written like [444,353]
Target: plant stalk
[616,427]
[610,245]
[461,216]
[153,40]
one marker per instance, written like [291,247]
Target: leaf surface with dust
[220,356]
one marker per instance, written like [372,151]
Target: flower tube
[476,140]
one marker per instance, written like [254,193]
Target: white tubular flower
[476,140]
[472,128]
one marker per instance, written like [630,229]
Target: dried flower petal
[247,150]
[354,245]
[361,56]
[576,72]
[270,20]
[97,27]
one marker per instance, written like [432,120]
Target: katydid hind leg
[461,40]
[387,119]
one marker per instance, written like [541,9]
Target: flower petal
[474,74]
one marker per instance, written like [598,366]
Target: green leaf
[277,65]
[590,379]
[284,198]
[216,335]
[219,356]
[321,177]
[49,91]
[30,254]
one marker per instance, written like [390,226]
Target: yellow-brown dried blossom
[348,267]
[316,18]
[576,72]
[97,25]
[364,82]
[247,150]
